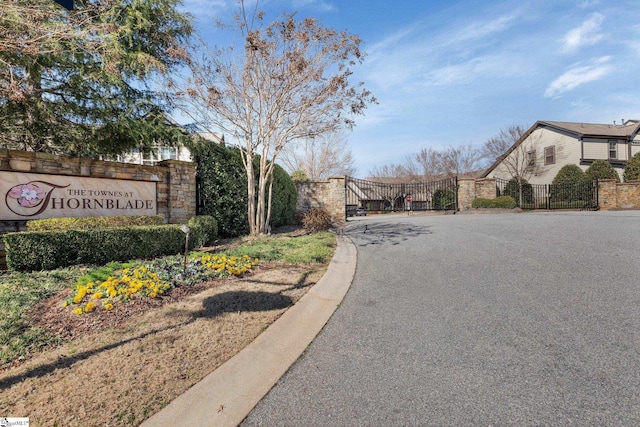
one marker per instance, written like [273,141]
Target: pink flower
[28,195]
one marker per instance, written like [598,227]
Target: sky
[447,73]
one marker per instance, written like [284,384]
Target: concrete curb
[227,395]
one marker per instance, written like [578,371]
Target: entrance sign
[25,196]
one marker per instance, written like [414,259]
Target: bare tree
[462,159]
[519,161]
[390,173]
[496,147]
[320,158]
[430,162]
[288,80]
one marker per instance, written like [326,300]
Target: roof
[630,127]
[581,130]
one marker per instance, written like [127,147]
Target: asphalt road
[504,319]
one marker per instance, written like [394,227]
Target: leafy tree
[632,169]
[287,81]
[77,82]
[601,169]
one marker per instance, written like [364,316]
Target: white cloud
[579,74]
[320,5]
[586,34]
[502,64]
[479,30]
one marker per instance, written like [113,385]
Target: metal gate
[362,196]
[583,195]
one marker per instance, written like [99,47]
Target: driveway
[502,319]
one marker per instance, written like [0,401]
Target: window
[550,155]
[531,159]
[613,149]
[168,153]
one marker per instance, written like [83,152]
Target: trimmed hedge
[502,202]
[45,250]
[92,222]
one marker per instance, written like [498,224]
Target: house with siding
[548,146]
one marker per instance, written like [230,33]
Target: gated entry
[373,196]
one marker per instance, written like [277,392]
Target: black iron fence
[364,196]
[583,195]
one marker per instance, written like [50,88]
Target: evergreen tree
[77,82]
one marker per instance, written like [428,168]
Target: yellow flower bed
[223,265]
[142,282]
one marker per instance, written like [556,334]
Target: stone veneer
[175,188]
[614,195]
[329,195]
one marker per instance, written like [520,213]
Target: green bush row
[503,202]
[45,250]
[92,222]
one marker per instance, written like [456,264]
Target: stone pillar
[466,193]
[607,194]
[336,199]
[328,195]
[180,192]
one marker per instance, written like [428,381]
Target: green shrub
[45,250]
[316,219]
[223,189]
[444,199]
[223,186]
[569,174]
[512,190]
[204,230]
[86,223]
[570,185]
[285,198]
[502,202]
[632,169]
[601,169]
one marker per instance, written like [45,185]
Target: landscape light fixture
[185,229]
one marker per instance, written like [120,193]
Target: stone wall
[329,195]
[175,181]
[613,195]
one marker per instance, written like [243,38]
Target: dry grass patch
[121,366]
